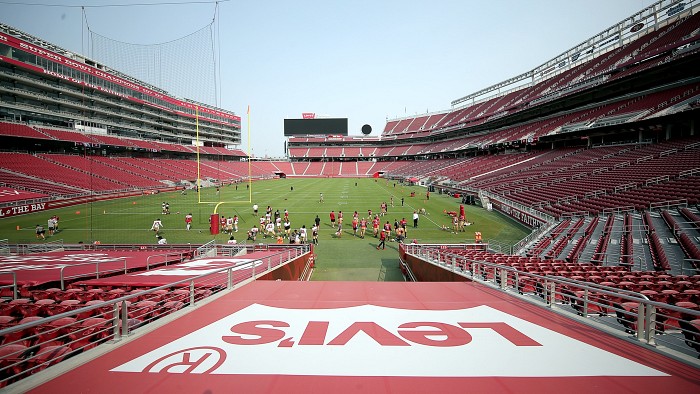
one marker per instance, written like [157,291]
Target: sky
[367,60]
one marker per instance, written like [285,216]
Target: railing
[34,345]
[205,249]
[663,326]
[308,269]
[409,275]
[689,269]
[645,158]
[231,250]
[77,198]
[534,235]
[52,246]
[4,247]
[575,214]
[96,273]
[567,199]
[625,187]
[668,204]
[688,173]
[180,257]
[692,145]
[595,193]
[668,152]
[532,212]
[627,208]
[23,202]
[13,286]
[658,179]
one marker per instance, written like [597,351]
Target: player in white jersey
[156,226]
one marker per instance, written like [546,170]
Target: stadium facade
[635,81]
[43,85]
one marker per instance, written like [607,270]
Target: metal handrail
[646,315]
[97,270]
[14,283]
[4,247]
[189,282]
[148,259]
[43,247]
[120,322]
[206,248]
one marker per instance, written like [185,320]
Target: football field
[128,220]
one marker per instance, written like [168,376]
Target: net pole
[250,178]
[199,178]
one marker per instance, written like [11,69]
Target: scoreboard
[317,126]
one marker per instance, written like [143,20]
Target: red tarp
[173,273]
[37,269]
[8,194]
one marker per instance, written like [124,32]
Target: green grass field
[128,220]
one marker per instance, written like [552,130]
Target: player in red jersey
[188,221]
[382,239]
[387,228]
[363,227]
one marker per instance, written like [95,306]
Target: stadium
[540,234]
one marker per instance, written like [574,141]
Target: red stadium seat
[690,295]
[68,294]
[28,309]
[172,306]
[143,310]
[62,307]
[114,293]
[133,292]
[157,296]
[682,285]
[89,295]
[627,316]
[12,308]
[57,330]
[50,294]
[7,321]
[202,293]
[48,356]
[103,312]
[43,306]
[131,323]
[180,295]
[668,296]
[691,332]
[12,363]
[674,317]
[26,337]
[596,305]
[90,333]
[651,294]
